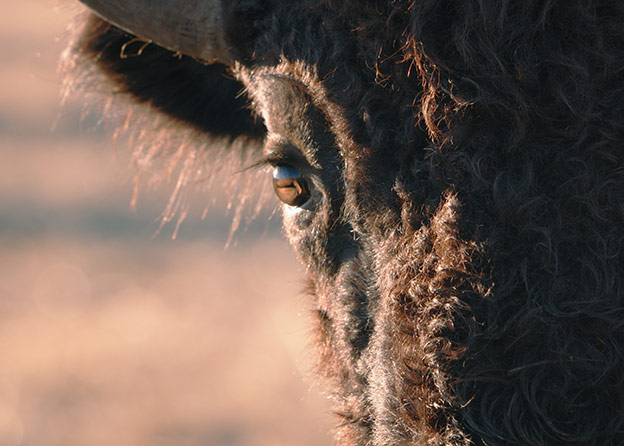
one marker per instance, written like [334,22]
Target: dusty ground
[111,337]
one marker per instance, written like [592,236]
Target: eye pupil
[290,187]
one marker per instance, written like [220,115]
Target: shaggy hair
[468,272]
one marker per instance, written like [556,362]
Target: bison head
[452,178]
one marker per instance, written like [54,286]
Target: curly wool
[500,319]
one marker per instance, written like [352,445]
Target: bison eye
[290,186]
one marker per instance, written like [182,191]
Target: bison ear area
[203,96]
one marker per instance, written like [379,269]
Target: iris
[290,187]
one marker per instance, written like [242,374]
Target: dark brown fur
[466,252]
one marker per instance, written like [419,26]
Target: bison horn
[191,27]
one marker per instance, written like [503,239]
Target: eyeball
[290,187]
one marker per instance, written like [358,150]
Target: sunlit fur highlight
[173,141]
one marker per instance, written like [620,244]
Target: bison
[452,177]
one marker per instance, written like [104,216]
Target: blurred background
[112,334]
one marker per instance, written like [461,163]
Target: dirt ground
[110,335]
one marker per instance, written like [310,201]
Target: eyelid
[281,155]
[282,158]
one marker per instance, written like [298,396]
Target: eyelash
[274,159]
